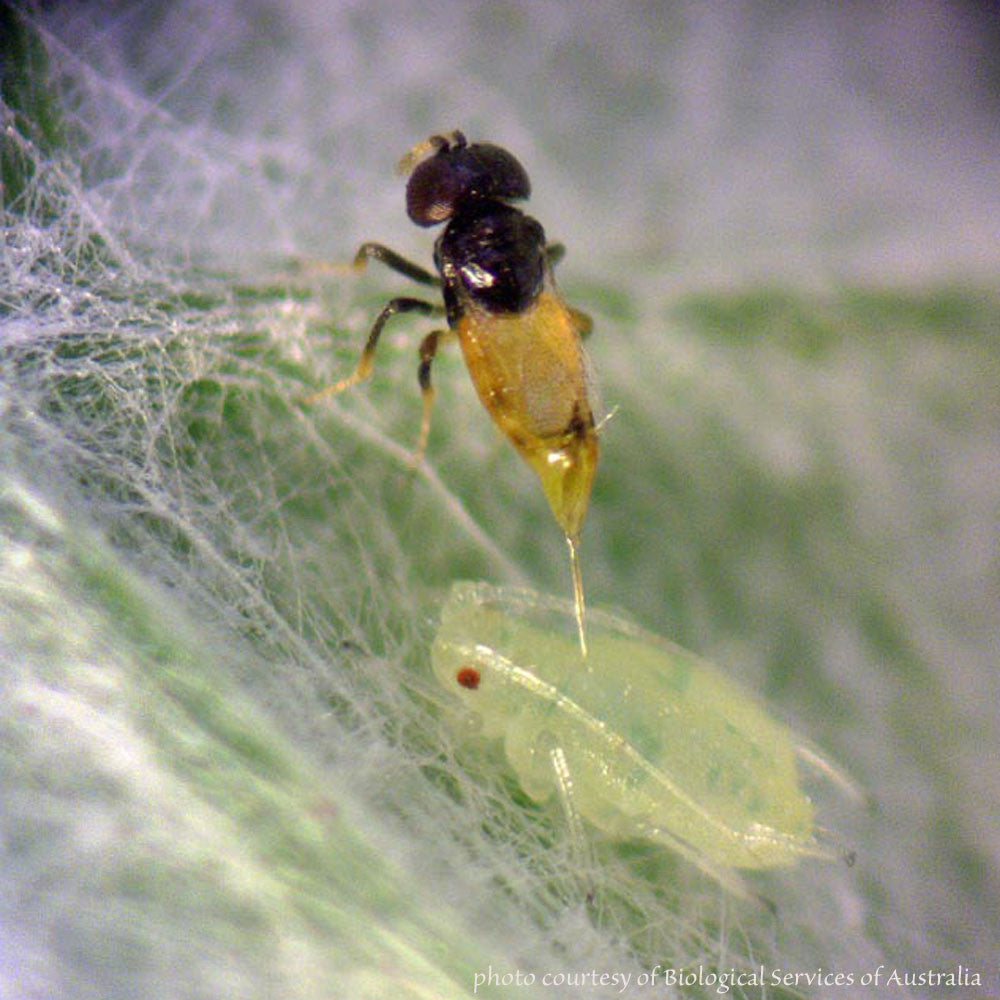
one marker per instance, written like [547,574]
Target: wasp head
[449,173]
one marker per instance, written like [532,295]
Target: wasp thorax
[458,174]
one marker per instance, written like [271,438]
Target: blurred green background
[226,769]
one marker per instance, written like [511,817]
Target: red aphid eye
[468,677]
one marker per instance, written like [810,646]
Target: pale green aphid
[641,739]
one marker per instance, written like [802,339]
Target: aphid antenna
[834,848]
[814,759]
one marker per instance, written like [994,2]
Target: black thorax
[492,256]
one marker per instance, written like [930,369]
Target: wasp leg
[582,321]
[375,251]
[428,348]
[364,368]
[554,252]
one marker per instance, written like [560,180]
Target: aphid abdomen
[670,756]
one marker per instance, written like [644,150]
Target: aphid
[520,340]
[645,739]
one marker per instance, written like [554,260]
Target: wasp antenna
[428,148]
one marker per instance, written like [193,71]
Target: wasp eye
[459,173]
[468,677]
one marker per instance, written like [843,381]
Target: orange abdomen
[531,374]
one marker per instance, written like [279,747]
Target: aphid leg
[580,843]
[428,348]
[376,251]
[555,252]
[578,602]
[364,368]
[728,878]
